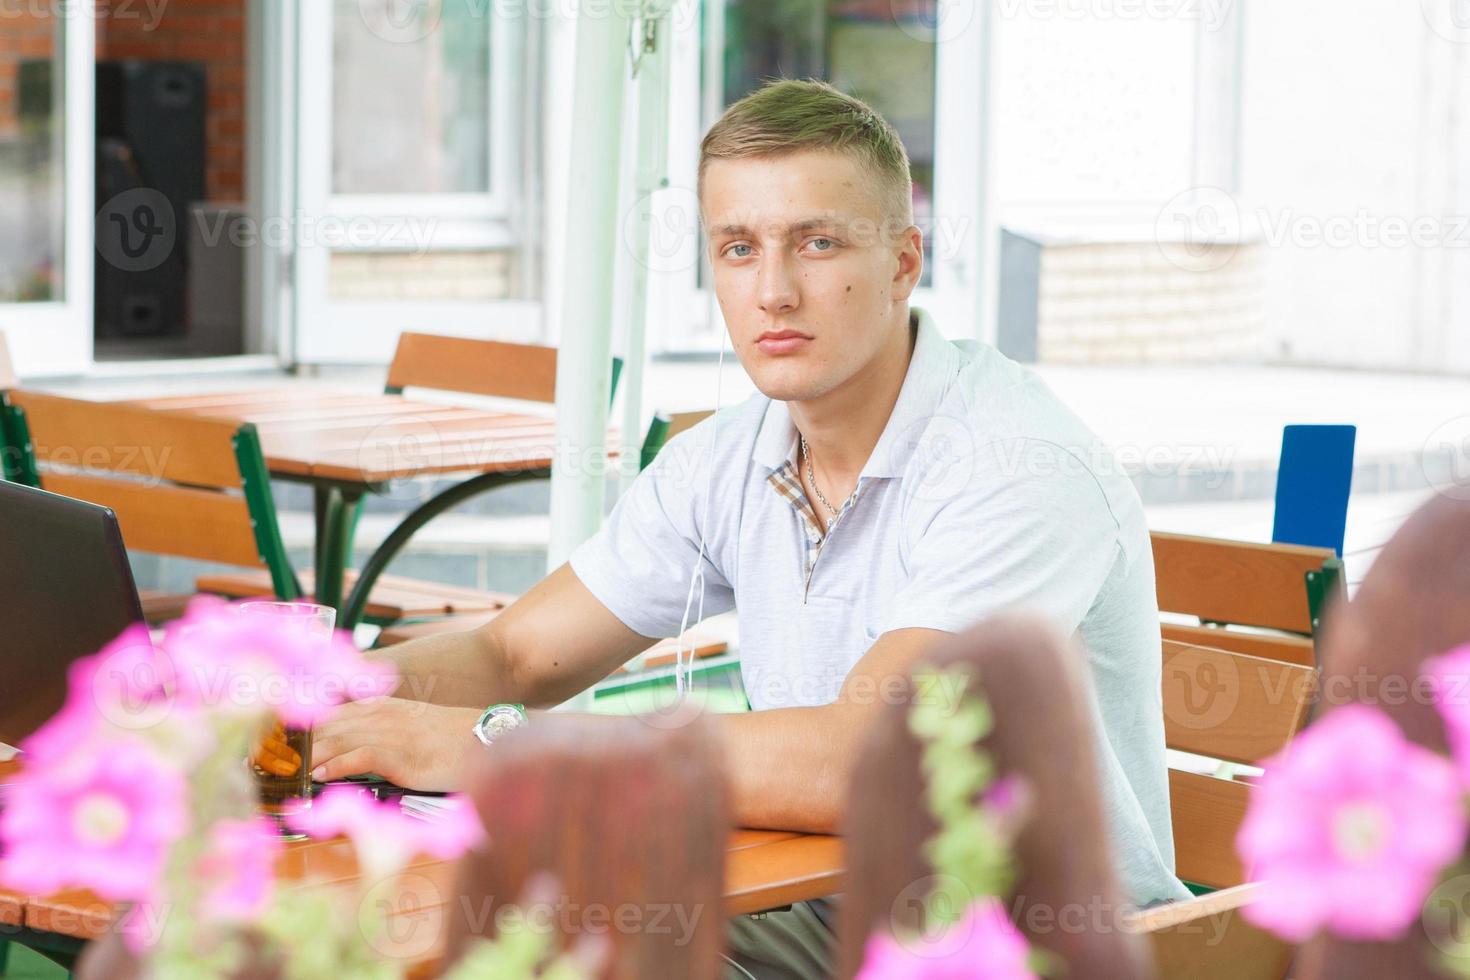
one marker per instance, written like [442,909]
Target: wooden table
[348,445]
[764,869]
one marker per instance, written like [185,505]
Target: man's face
[811,282]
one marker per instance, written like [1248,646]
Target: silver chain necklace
[811,477]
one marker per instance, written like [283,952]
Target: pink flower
[982,945]
[230,661]
[1349,829]
[101,817]
[385,837]
[238,868]
[1449,677]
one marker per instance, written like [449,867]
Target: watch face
[501,719]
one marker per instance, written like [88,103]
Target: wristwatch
[499,719]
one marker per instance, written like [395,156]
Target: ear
[908,253]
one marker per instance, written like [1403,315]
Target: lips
[782,341]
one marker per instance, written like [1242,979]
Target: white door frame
[55,337]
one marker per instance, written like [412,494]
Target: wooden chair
[187,487]
[623,815]
[1252,709]
[1265,600]
[1410,606]
[160,465]
[523,372]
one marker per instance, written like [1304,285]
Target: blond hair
[789,116]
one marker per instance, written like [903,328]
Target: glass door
[46,228]
[412,211]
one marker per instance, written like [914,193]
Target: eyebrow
[806,224]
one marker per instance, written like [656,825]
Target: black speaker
[150,170]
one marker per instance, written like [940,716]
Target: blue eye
[735,251]
[823,244]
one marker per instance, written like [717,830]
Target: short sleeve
[1012,538]
[639,565]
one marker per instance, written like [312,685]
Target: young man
[885,488]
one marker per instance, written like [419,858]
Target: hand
[409,743]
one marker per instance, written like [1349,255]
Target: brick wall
[25,35]
[476,276]
[210,31]
[1127,303]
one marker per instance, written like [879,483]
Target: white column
[583,380]
[650,174]
[987,216]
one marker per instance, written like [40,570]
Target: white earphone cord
[682,680]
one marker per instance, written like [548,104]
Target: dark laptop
[66,590]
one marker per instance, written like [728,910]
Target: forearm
[466,670]
[789,768]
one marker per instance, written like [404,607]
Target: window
[410,114]
[32,213]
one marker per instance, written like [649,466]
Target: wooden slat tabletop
[764,869]
[373,438]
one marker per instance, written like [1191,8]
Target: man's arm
[553,642]
[789,768]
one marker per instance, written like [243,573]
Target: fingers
[353,762]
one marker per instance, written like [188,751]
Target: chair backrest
[179,485]
[624,816]
[493,368]
[663,428]
[1232,708]
[1314,480]
[1033,682]
[1410,607]
[1279,588]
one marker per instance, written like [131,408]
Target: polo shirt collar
[931,368]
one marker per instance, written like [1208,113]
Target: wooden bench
[1265,600]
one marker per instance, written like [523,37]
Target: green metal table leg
[337,519]
[351,613]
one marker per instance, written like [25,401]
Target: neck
[842,426]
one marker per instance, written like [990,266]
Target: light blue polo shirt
[984,493]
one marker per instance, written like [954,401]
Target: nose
[779,288]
